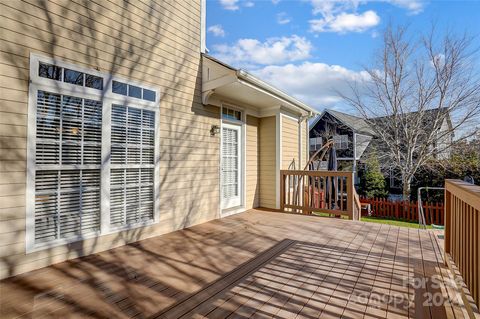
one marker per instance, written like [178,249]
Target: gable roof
[357,124]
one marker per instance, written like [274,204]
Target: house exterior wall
[267,162]
[444,141]
[290,143]
[156,43]
[252,147]
[329,126]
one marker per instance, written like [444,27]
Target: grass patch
[392,222]
[377,220]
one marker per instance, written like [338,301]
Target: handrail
[317,191]
[358,205]
[462,239]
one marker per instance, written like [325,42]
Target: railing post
[350,198]
[282,191]
[446,219]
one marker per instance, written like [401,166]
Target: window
[132,165]
[341,142]
[50,71]
[66,171]
[67,193]
[229,114]
[70,76]
[315,143]
[133,91]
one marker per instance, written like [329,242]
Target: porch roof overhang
[221,82]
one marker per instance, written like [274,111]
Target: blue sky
[309,47]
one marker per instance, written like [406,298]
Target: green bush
[372,184]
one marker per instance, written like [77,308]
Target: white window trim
[107,97]
[234,210]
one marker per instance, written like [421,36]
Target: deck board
[257,264]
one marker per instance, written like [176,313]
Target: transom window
[133,91]
[230,114]
[66,75]
[89,173]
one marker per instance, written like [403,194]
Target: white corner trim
[300,148]
[278,157]
[244,159]
[307,142]
[203,26]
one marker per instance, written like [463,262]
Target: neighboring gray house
[354,137]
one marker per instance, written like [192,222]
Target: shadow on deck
[256,264]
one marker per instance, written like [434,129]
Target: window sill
[74,240]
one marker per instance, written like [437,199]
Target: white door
[231,165]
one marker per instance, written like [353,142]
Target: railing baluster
[317,191]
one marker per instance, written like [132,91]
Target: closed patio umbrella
[331,191]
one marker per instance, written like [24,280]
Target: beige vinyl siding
[154,43]
[252,188]
[305,143]
[267,181]
[290,144]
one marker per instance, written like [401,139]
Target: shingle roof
[359,125]
[356,123]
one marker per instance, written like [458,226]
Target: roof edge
[255,81]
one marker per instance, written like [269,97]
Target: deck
[257,264]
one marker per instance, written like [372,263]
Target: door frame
[241,123]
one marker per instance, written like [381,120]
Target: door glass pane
[230,163]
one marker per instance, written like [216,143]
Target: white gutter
[244,76]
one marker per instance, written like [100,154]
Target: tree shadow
[156,43]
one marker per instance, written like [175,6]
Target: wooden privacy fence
[318,191]
[462,239]
[404,210]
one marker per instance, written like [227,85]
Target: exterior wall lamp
[214,130]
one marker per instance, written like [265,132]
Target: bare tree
[420,92]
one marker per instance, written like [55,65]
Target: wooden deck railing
[318,191]
[462,239]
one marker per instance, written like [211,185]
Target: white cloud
[438,60]
[413,6]
[283,18]
[230,4]
[234,5]
[346,22]
[332,7]
[343,16]
[312,83]
[217,30]
[250,52]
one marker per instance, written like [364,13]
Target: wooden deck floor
[257,264]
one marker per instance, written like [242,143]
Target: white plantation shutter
[67,159]
[132,165]
[230,162]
